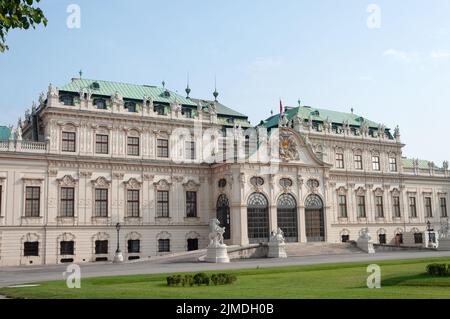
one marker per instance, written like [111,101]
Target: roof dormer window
[100,104]
[95,86]
[66,99]
[130,106]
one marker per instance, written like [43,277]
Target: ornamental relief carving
[132,183]
[101,182]
[162,185]
[288,147]
[191,186]
[67,181]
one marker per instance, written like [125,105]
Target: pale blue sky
[320,51]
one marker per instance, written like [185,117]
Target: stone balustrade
[23,146]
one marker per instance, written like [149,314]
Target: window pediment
[191,185]
[360,191]
[162,185]
[101,182]
[163,235]
[132,183]
[68,181]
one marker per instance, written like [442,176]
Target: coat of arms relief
[288,148]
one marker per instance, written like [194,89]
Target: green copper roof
[4,133]
[320,115]
[127,91]
[409,163]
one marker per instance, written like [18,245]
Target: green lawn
[400,279]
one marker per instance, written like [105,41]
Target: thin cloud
[440,55]
[403,56]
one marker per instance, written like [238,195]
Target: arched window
[223,215]
[257,218]
[287,217]
[314,219]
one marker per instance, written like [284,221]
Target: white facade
[310,172]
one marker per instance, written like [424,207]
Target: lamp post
[118,257]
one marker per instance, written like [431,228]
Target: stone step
[314,249]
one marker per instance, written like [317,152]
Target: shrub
[201,279]
[174,280]
[438,270]
[223,279]
[188,280]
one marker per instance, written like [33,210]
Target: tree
[18,14]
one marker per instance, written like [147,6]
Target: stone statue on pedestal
[217,250]
[365,241]
[277,245]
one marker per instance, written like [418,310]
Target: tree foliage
[18,14]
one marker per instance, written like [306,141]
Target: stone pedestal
[217,254]
[444,244]
[366,245]
[277,250]
[365,242]
[118,257]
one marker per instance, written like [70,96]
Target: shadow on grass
[417,280]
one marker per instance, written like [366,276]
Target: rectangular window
[68,141]
[134,246]
[418,238]
[133,146]
[163,245]
[345,238]
[162,209]
[442,200]
[31,248]
[101,202]
[412,207]
[376,163]
[67,248]
[428,208]
[361,206]
[392,164]
[190,150]
[191,204]
[343,206]
[133,202]
[396,206]
[162,148]
[101,144]
[101,247]
[32,201]
[67,202]
[382,239]
[339,160]
[379,206]
[358,162]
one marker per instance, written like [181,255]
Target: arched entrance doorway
[223,215]
[314,219]
[287,217]
[257,218]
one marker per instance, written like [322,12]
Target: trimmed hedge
[438,270]
[200,279]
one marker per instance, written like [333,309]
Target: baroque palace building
[96,153]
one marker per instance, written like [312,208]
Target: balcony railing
[23,146]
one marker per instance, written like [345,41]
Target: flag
[281,107]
